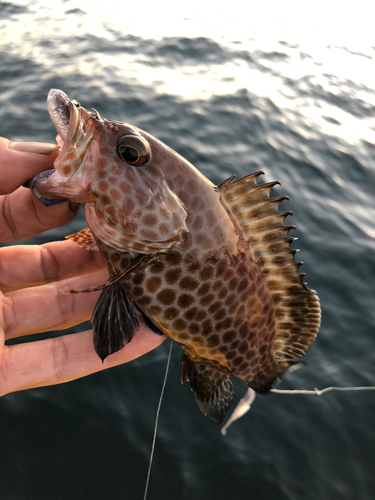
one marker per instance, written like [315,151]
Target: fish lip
[48,202]
[59,108]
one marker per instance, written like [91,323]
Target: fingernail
[40,148]
[73,206]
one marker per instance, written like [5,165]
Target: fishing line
[245,403]
[319,392]
[157,421]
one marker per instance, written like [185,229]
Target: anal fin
[114,321]
[213,390]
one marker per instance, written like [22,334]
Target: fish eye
[76,103]
[133,150]
[130,155]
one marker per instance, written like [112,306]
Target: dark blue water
[230,105]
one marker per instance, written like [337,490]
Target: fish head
[120,173]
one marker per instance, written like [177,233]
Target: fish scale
[209,266]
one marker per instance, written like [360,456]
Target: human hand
[33,279]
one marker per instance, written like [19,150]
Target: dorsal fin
[297,309]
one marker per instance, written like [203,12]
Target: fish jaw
[55,186]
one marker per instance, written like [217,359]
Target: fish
[209,266]
[240,410]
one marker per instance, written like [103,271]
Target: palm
[32,281]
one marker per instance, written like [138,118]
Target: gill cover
[165,226]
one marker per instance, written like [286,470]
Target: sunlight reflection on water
[238,32]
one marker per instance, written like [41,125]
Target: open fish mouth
[75,126]
[75,129]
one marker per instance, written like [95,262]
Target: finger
[45,308]
[66,358]
[23,266]
[21,161]
[23,216]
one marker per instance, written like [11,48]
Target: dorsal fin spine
[252,194]
[275,247]
[272,221]
[241,185]
[262,207]
[223,185]
[274,234]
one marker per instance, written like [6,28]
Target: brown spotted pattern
[217,310]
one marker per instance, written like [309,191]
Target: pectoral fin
[84,239]
[213,390]
[114,321]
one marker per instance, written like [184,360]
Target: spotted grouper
[208,266]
